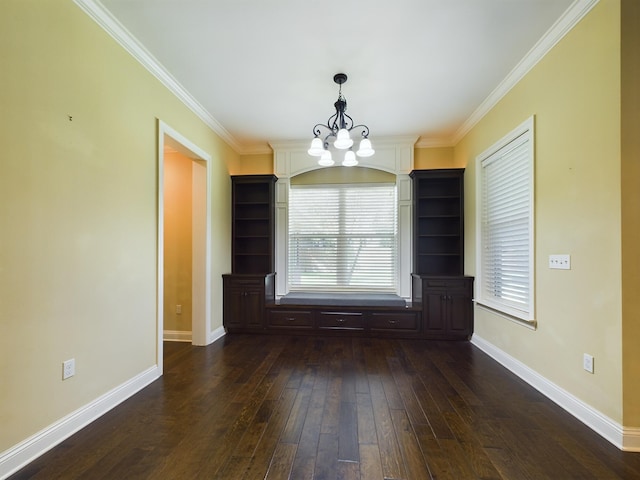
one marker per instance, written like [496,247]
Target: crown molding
[124,38]
[558,30]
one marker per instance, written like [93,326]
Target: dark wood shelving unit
[438,202]
[438,280]
[250,285]
[441,305]
[253,229]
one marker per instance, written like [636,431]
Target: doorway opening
[184,239]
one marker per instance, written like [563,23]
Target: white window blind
[506,240]
[342,238]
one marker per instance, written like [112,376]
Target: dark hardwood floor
[326,408]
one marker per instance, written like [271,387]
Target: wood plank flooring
[256,407]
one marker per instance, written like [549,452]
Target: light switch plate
[560,262]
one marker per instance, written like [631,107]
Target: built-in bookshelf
[253,229]
[438,222]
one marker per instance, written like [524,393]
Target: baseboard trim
[630,439]
[216,334]
[627,439]
[177,336]
[28,450]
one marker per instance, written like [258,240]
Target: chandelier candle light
[339,126]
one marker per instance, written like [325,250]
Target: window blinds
[506,215]
[342,238]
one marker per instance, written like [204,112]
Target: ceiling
[263,70]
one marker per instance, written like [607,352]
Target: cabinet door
[233,307]
[244,301]
[447,307]
[252,308]
[459,314]
[434,313]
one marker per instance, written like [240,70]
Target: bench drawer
[341,320]
[290,318]
[404,321]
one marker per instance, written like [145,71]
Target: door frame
[201,323]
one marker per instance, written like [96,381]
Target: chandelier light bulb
[343,140]
[325,159]
[349,159]
[317,148]
[365,149]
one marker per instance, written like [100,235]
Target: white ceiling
[263,69]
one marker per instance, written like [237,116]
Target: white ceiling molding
[113,27]
[563,25]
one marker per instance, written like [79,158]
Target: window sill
[530,324]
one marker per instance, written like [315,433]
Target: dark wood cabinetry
[447,306]
[253,224]
[438,226]
[438,281]
[362,320]
[251,284]
[245,297]
[442,296]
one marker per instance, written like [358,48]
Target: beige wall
[631,210]
[574,93]
[259,164]
[78,212]
[178,193]
[433,158]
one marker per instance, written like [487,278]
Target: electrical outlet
[68,368]
[178,309]
[560,262]
[587,362]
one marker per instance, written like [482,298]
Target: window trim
[524,316]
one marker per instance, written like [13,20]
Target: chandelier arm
[316,130]
[365,130]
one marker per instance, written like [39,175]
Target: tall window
[505,247]
[342,238]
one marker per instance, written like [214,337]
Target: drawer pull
[341,320]
[290,319]
[392,321]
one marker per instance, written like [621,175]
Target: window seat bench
[344,314]
[344,299]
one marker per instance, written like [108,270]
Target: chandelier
[339,126]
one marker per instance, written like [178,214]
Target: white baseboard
[627,439]
[630,439]
[216,334]
[177,336]
[182,336]
[26,451]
